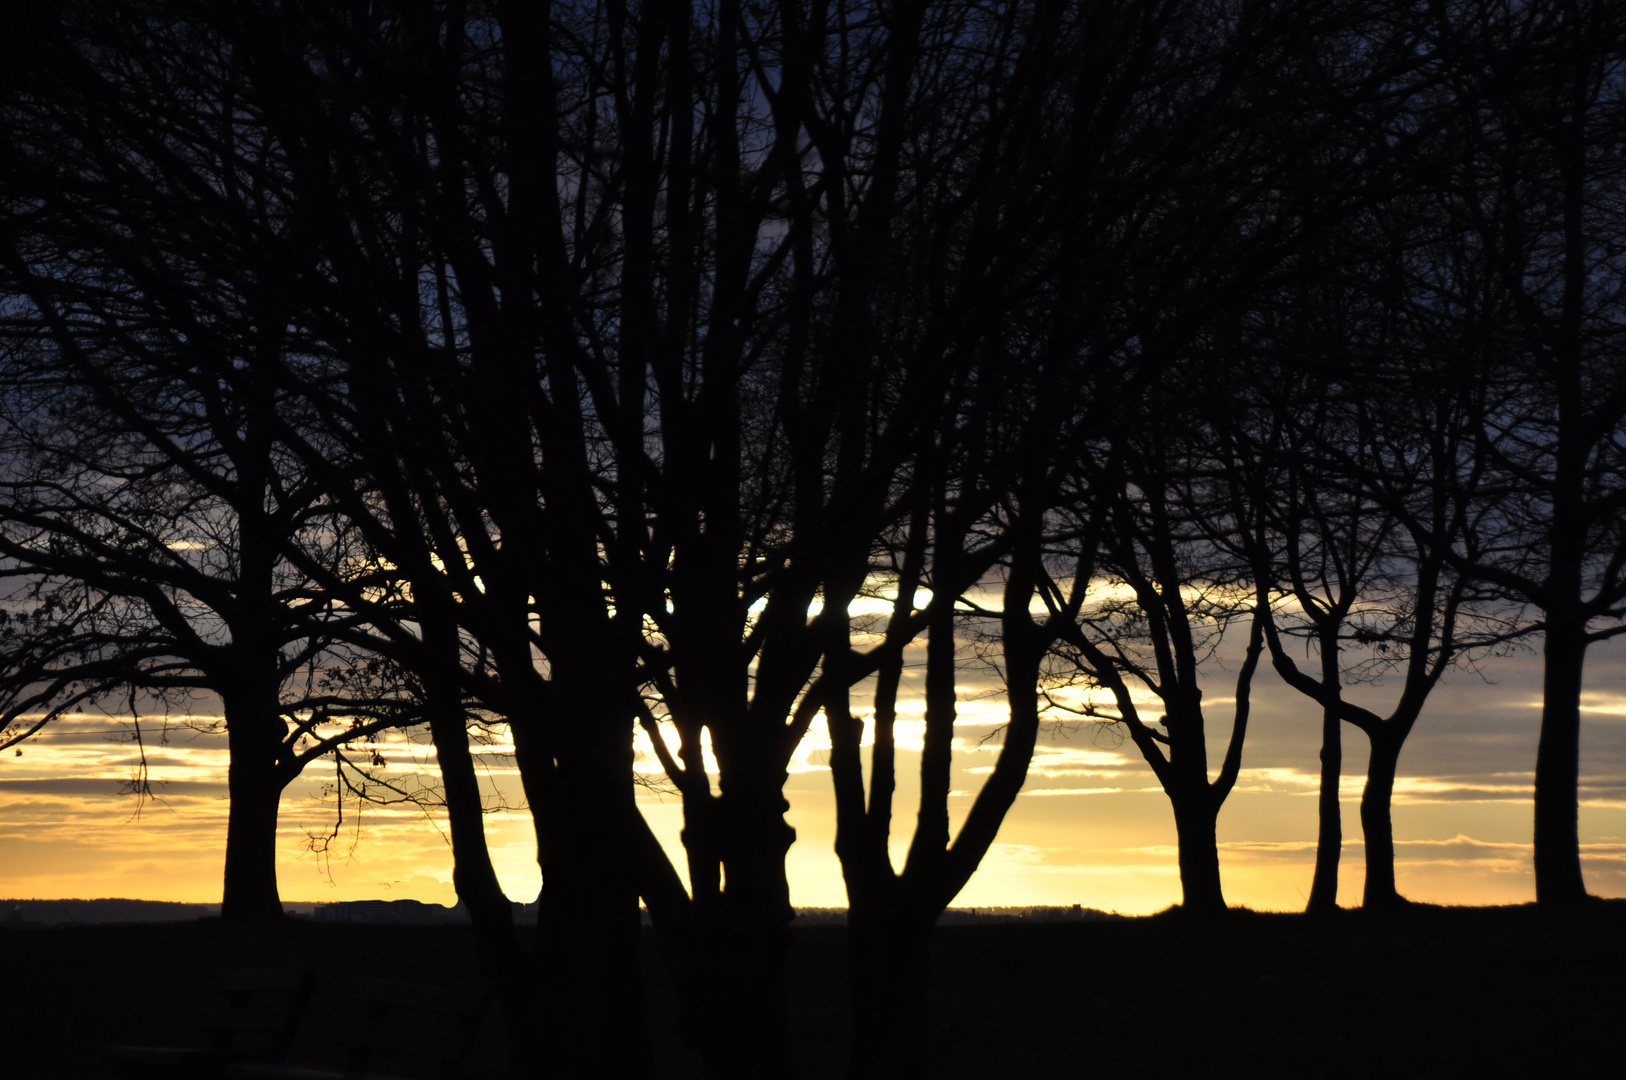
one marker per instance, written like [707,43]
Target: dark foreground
[1429,992]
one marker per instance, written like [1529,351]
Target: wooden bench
[262,1009]
[393,1029]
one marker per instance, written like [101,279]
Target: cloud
[1272,847]
[1058,761]
[1514,787]
[65,785]
[154,761]
[1461,840]
[1600,704]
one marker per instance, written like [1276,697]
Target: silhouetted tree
[1535,191]
[1260,135]
[174,589]
[1350,418]
[138,432]
[566,356]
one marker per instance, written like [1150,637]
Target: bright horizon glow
[1091,827]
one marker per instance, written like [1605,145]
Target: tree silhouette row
[578,365]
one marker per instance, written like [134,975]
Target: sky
[1091,826]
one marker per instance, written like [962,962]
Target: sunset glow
[1091,827]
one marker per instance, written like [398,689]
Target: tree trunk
[1558,765]
[253,735]
[491,914]
[747,938]
[613,1037]
[890,957]
[1330,833]
[1377,823]
[592,1014]
[1195,821]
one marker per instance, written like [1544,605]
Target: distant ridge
[45,913]
[73,912]
[957,916]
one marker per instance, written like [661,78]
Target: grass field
[1431,992]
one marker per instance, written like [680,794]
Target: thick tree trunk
[747,936]
[1377,822]
[1558,765]
[890,954]
[1195,823]
[592,1012]
[254,787]
[1330,834]
[613,1036]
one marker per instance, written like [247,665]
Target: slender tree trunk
[1330,835]
[475,878]
[253,735]
[1558,764]
[1377,823]
[251,696]
[1558,752]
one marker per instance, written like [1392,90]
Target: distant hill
[954,916]
[43,913]
[77,912]
[36,913]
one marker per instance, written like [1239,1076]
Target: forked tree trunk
[891,919]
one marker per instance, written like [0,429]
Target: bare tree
[141,470]
[1328,443]
[1534,189]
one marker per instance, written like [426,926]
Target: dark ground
[1431,992]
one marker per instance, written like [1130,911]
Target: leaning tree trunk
[1377,822]
[254,731]
[491,914]
[1558,765]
